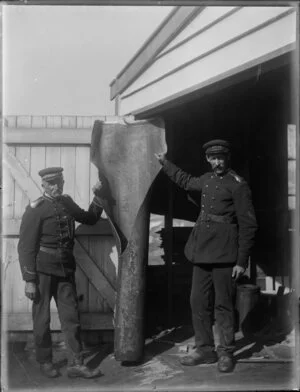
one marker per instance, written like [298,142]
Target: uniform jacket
[225,228]
[50,223]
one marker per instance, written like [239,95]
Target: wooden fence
[30,144]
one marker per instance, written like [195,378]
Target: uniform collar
[50,198]
[221,175]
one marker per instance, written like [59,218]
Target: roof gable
[175,22]
[212,44]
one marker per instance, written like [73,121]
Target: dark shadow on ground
[267,324]
[97,354]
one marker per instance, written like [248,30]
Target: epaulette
[37,202]
[67,196]
[235,176]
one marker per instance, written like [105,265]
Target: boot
[78,369]
[199,357]
[48,370]
[226,363]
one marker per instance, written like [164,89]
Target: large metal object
[124,155]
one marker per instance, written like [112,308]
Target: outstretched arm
[180,177]
[94,212]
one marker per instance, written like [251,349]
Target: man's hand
[238,271]
[97,188]
[31,290]
[161,156]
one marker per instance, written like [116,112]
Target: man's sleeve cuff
[98,201]
[242,263]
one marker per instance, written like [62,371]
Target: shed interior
[253,115]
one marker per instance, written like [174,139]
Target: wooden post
[169,251]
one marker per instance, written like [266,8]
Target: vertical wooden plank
[52,156]
[68,122]
[96,302]
[38,122]
[8,194]
[82,176]
[93,179]
[53,121]
[7,301]
[23,155]
[296,234]
[14,300]
[169,239]
[87,122]
[37,162]
[67,161]
[79,121]
[24,121]
[100,249]
[82,282]
[11,121]
[81,196]
[169,251]
[8,191]
[291,141]
[292,177]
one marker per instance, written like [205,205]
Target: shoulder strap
[236,176]
[37,202]
[66,196]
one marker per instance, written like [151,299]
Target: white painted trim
[172,25]
[173,65]
[212,84]
[252,50]
[183,37]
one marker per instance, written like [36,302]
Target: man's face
[218,162]
[54,188]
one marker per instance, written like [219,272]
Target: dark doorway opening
[253,116]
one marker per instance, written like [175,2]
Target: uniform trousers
[63,290]
[212,300]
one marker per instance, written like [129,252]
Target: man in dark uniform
[219,247]
[48,267]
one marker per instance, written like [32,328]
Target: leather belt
[204,217]
[53,251]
